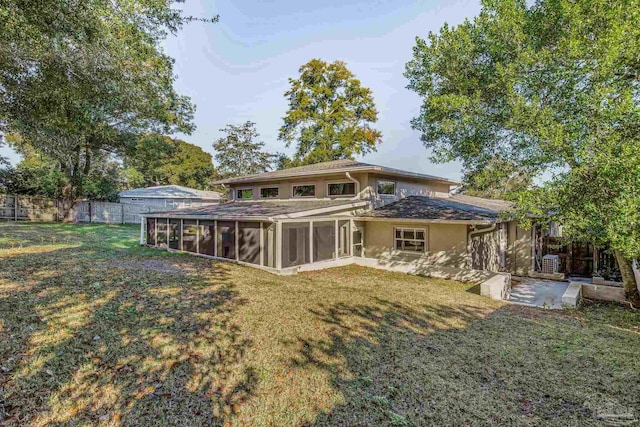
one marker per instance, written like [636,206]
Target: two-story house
[341,212]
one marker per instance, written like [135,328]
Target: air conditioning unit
[550,264]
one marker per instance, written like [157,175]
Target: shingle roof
[171,192]
[257,209]
[331,167]
[455,208]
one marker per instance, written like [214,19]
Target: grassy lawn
[95,330]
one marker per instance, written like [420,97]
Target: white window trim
[345,196]
[395,188]
[242,189]
[268,186]
[315,191]
[425,230]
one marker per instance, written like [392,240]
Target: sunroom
[279,237]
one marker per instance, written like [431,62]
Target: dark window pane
[227,239]
[409,234]
[268,193]
[304,190]
[245,194]
[420,235]
[249,242]
[342,189]
[151,231]
[387,187]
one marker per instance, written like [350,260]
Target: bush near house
[95,329]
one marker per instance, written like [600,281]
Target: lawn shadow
[84,342]
[459,365]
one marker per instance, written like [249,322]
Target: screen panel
[324,240]
[174,233]
[206,243]
[295,244]
[227,239]
[249,242]
[189,235]
[151,231]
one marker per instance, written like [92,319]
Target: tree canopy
[553,89]
[81,79]
[161,160]
[238,153]
[330,115]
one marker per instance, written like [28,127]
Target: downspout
[356,182]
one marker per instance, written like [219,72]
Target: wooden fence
[33,208]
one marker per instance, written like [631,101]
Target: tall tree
[81,79]
[552,88]
[239,154]
[495,179]
[38,175]
[330,114]
[161,160]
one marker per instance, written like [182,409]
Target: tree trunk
[628,279]
[69,199]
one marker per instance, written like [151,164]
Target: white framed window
[410,239]
[303,190]
[339,189]
[269,192]
[244,193]
[386,188]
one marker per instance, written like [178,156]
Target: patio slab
[538,293]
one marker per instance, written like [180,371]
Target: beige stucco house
[343,212]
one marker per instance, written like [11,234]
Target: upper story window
[387,188]
[410,239]
[244,193]
[269,192]
[342,189]
[304,190]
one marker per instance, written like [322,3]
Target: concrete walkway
[538,293]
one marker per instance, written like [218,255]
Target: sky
[238,69]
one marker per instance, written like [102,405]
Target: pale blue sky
[237,69]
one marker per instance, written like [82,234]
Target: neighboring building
[170,196]
[343,212]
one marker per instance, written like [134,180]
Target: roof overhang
[308,214]
[376,169]
[427,221]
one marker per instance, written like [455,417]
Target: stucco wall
[368,187]
[447,243]
[519,250]
[285,186]
[405,188]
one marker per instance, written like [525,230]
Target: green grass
[96,330]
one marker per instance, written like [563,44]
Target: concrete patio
[538,293]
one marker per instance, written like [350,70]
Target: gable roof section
[261,210]
[171,192]
[336,166]
[455,208]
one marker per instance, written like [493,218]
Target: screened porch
[275,245]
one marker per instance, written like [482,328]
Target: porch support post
[261,244]
[155,232]
[278,245]
[142,229]
[181,234]
[337,239]
[310,241]
[197,236]
[237,240]
[215,238]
